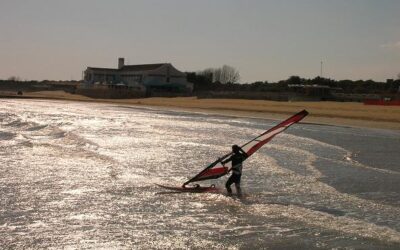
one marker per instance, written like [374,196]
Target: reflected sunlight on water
[82,175]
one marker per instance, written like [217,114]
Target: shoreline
[323,113]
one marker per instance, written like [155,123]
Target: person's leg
[228,184]
[237,185]
[238,189]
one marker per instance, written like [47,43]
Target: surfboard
[191,189]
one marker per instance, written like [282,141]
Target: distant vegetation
[16,84]
[17,79]
[206,81]
[226,78]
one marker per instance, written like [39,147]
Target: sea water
[83,175]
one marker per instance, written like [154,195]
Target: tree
[229,74]
[14,79]
[224,74]
[295,80]
[200,81]
[208,74]
[398,76]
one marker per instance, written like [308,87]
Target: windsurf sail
[217,169]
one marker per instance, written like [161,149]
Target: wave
[7,135]
[333,153]
[292,187]
[36,128]
[17,123]
[342,224]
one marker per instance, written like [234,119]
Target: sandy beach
[330,113]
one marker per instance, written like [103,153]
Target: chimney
[120,62]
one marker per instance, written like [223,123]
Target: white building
[159,77]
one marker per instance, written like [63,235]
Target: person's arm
[227,160]
[244,153]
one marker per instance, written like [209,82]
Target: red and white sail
[216,169]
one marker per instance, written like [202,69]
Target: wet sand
[351,114]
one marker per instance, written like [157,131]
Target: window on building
[132,78]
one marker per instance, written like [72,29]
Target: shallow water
[82,175]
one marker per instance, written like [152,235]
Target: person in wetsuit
[237,159]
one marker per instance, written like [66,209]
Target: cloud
[391,45]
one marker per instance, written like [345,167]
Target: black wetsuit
[237,160]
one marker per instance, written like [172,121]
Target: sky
[265,40]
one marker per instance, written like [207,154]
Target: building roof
[138,67]
[142,67]
[105,69]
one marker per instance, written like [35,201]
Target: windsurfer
[237,160]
